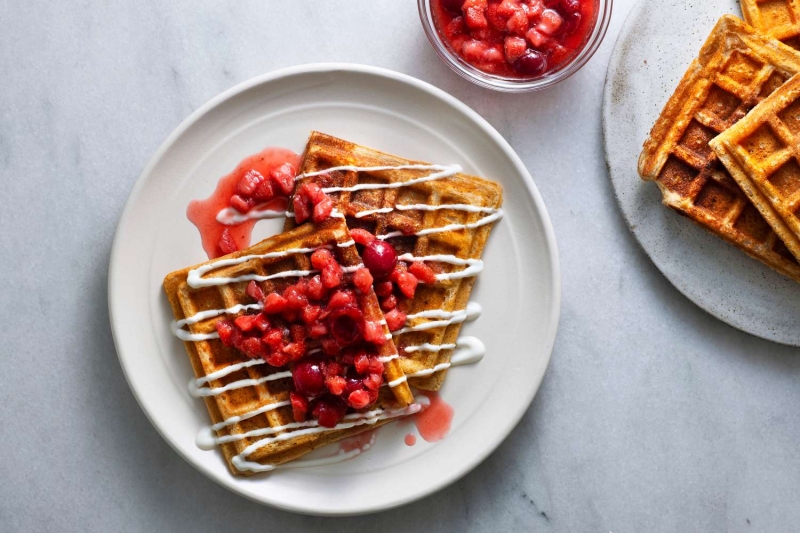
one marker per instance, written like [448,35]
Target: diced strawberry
[262,322]
[295,350]
[423,272]
[407,283]
[226,243]
[514,48]
[321,258]
[549,22]
[389,303]
[312,191]
[295,299]
[299,406]
[329,346]
[302,208]
[493,54]
[395,319]
[384,288]
[535,9]
[341,299]
[225,330]
[455,27]
[290,315]
[322,210]
[358,399]
[273,338]
[399,268]
[317,330]
[246,322]
[275,303]
[264,192]
[332,276]
[315,289]
[362,279]
[475,18]
[361,363]
[473,50]
[310,313]
[248,183]
[252,348]
[277,359]
[283,176]
[518,23]
[507,8]
[496,21]
[242,205]
[536,38]
[375,366]
[332,368]
[373,332]
[361,236]
[329,413]
[297,332]
[254,291]
[373,381]
[335,385]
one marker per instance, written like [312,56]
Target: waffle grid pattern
[210,356]
[736,69]
[766,148]
[778,18]
[324,152]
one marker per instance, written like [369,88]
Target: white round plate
[659,40]
[519,289]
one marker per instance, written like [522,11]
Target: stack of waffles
[722,150]
[429,213]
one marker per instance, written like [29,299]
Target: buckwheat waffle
[777,18]
[449,296]
[736,69]
[761,153]
[210,357]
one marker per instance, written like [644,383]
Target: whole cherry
[380,258]
[308,377]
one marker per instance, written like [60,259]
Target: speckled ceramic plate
[519,289]
[658,41]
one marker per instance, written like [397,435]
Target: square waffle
[761,152]
[249,407]
[777,18]
[736,69]
[423,357]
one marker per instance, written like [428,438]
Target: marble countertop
[653,416]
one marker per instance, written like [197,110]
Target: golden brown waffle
[324,151]
[761,153]
[737,68]
[777,18]
[210,356]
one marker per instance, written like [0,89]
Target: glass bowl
[516,85]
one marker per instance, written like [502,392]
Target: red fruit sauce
[203,213]
[522,39]
[433,422]
[410,439]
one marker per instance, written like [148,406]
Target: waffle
[211,356]
[736,69]
[777,18]
[761,153]
[426,368]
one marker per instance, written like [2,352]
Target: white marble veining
[653,416]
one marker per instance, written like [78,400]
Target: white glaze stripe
[312,427]
[182,334]
[195,279]
[474,266]
[201,392]
[232,217]
[472,312]
[443,229]
[426,207]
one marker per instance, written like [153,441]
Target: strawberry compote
[515,38]
[261,182]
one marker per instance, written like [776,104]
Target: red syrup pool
[203,213]
[434,421]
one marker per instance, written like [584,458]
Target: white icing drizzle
[195,279]
[233,217]
[177,325]
[426,207]
[201,392]
[474,266]
[351,242]
[398,381]
[444,171]
[469,350]
[443,229]
[472,312]
[428,347]
[311,427]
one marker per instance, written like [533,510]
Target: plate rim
[675,281]
[230,482]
